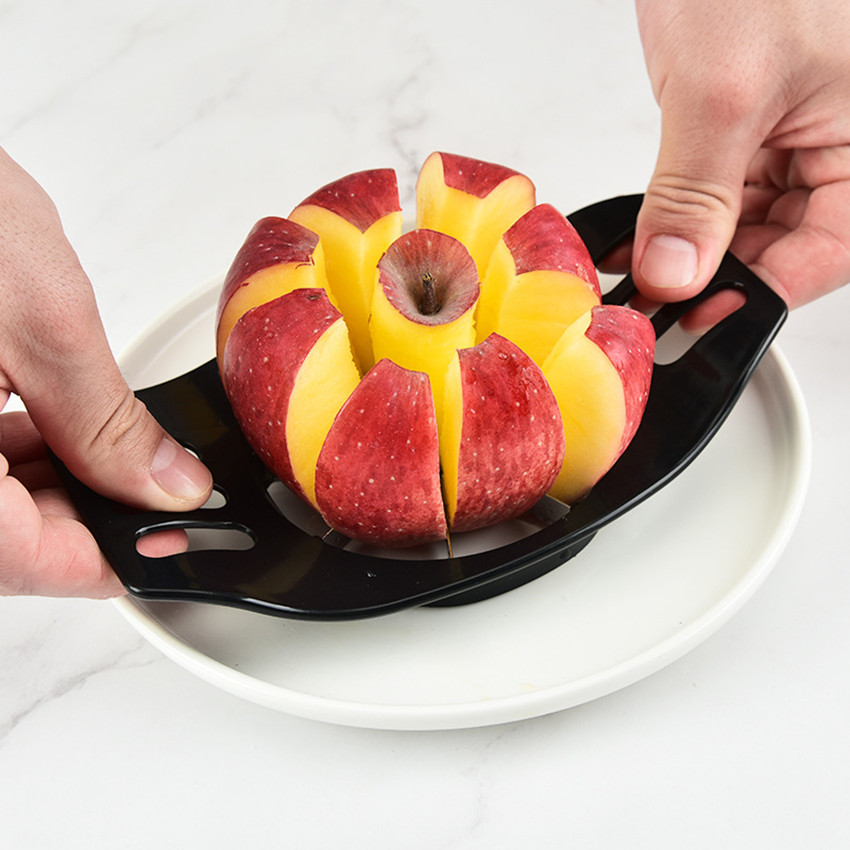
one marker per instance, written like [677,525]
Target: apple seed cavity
[429,277]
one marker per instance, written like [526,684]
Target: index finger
[812,258]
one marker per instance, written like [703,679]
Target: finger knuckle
[123,428]
[673,195]
[731,101]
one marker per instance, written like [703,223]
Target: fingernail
[669,262]
[179,472]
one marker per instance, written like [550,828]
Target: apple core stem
[429,303]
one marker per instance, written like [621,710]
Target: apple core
[429,277]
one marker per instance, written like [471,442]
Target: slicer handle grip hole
[169,539]
[675,336]
[217,500]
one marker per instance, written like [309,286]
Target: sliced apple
[424,304]
[501,438]
[277,256]
[472,200]
[356,217]
[540,279]
[378,473]
[287,370]
[493,374]
[600,371]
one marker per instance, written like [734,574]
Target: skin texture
[544,239]
[628,340]
[271,241]
[498,386]
[264,360]
[755,146]
[361,198]
[54,355]
[378,473]
[470,175]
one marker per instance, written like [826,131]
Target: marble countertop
[163,130]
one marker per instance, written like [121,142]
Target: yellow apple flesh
[404,328]
[600,371]
[287,370]
[501,440]
[356,218]
[472,200]
[540,279]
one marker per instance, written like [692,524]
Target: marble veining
[53,689]
[57,653]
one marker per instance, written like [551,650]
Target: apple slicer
[296,567]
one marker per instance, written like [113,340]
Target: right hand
[755,145]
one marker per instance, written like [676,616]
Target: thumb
[78,399]
[693,202]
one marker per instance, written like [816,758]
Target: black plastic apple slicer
[293,571]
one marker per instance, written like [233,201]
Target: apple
[472,200]
[501,438]
[600,372]
[287,369]
[413,385]
[277,256]
[356,218]
[539,280]
[378,472]
[423,307]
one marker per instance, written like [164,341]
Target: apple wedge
[423,308]
[277,256]
[378,473]
[501,438]
[356,218]
[472,200]
[287,370]
[600,371]
[540,279]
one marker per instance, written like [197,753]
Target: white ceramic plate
[648,588]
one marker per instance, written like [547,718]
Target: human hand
[755,146]
[55,356]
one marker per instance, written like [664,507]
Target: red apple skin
[473,176]
[512,439]
[545,240]
[272,241]
[361,198]
[262,357]
[378,473]
[628,340]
